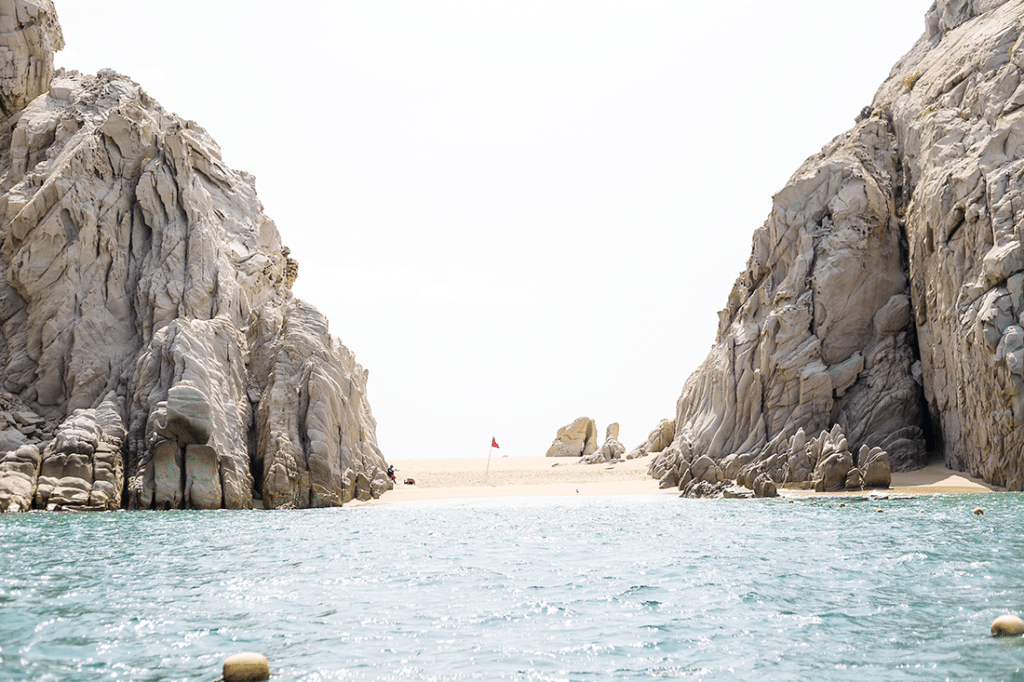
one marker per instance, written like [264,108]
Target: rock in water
[884,295]
[145,308]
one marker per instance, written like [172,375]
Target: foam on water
[531,589]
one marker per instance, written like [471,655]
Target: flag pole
[490,450]
[488,470]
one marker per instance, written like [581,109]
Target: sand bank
[446,479]
[441,479]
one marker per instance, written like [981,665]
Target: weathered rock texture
[578,439]
[148,335]
[882,303]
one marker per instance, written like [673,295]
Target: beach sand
[452,479]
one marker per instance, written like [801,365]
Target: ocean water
[621,588]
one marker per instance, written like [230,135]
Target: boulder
[659,439]
[830,474]
[168,464]
[705,469]
[702,489]
[764,486]
[854,479]
[11,439]
[202,489]
[19,471]
[610,451]
[578,439]
[737,492]
[668,480]
[874,466]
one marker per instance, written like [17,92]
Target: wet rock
[830,474]
[19,472]
[874,465]
[764,486]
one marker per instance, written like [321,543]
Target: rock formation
[611,450]
[660,438]
[149,341]
[578,439]
[882,303]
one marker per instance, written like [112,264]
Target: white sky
[514,212]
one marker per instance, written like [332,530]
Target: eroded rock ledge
[151,351]
[882,307]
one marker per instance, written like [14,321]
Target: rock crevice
[139,276]
[883,296]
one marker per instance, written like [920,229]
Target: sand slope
[516,476]
[442,479]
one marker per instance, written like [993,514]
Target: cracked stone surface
[883,302]
[140,279]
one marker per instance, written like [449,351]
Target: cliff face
[151,351]
[882,303]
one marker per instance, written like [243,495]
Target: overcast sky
[514,212]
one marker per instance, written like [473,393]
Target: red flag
[494,443]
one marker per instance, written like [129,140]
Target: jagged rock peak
[884,295]
[946,15]
[140,277]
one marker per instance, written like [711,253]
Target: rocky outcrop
[882,303]
[29,35]
[660,438]
[818,330]
[957,105]
[82,468]
[145,308]
[578,439]
[611,450]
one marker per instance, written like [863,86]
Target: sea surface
[613,588]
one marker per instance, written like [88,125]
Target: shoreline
[468,478]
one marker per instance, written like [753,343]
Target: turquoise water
[622,588]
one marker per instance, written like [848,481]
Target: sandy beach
[449,479]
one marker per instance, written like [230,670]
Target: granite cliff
[880,316]
[152,354]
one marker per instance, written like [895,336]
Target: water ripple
[538,589]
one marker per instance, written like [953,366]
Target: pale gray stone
[168,475]
[884,295]
[659,439]
[202,478]
[19,473]
[11,439]
[189,419]
[135,263]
